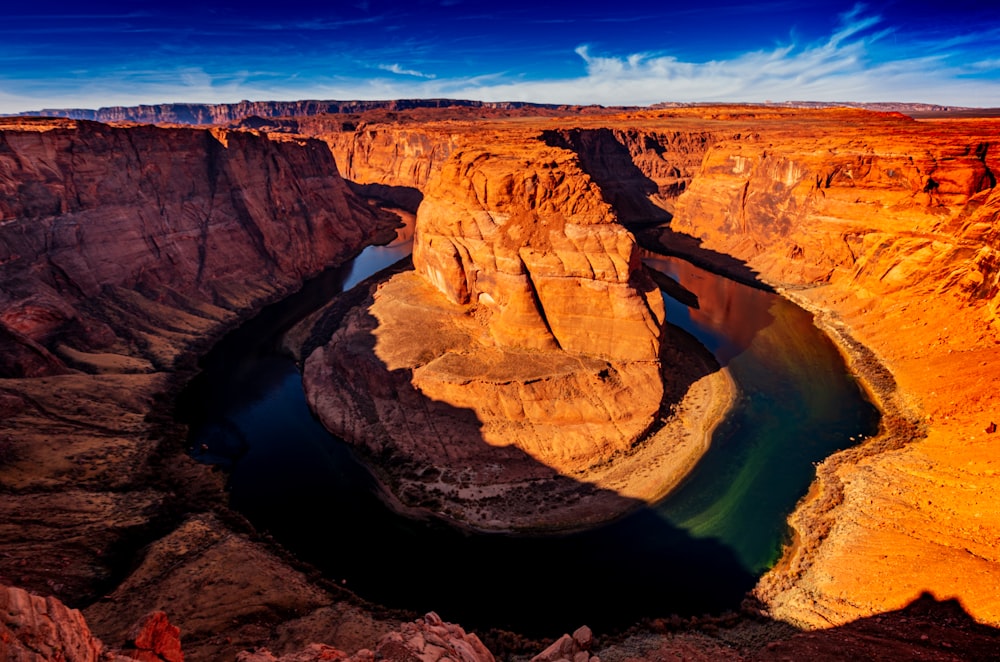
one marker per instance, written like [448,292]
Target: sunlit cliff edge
[884,226]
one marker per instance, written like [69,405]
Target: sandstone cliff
[223,113]
[126,241]
[519,366]
[533,245]
[123,254]
[885,227]
[888,231]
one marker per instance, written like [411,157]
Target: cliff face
[123,253]
[640,171]
[524,349]
[106,232]
[224,113]
[887,229]
[388,158]
[532,243]
[913,209]
[122,250]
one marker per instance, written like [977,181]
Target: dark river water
[698,551]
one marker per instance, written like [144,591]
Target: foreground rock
[429,639]
[37,629]
[124,252]
[513,380]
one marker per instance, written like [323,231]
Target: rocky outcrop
[519,363]
[109,233]
[429,639]
[570,648]
[154,639]
[123,254]
[530,243]
[42,629]
[37,629]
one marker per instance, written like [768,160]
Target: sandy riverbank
[912,510]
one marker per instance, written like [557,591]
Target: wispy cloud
[396,69]
[861,59]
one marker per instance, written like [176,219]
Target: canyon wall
[123,254]
[224,113]
[523,349]
[887,229]
[107,232]
[124,251]
[641,171]
[391,161]
[900,206]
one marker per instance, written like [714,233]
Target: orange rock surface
[884,226]
[523,233]
[518,367]
[887,228]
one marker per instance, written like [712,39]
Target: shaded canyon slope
[125,251]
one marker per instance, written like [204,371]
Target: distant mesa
[226,113]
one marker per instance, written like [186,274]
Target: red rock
[155,636]
[141,219]
[37,629]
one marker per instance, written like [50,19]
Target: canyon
[127,250]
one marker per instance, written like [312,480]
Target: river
[698,551]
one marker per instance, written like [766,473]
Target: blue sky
[87,55]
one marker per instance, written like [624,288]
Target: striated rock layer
[123,254]
[885,227]
[520,362]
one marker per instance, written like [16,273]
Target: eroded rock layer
[524,349]
[528,240]
[887,229]
[123,254]
[884,226]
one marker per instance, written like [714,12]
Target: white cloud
[846,66]
[396,69]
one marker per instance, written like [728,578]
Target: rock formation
[125,251]
[160,223]
[893,230]
[123,254]
[223,113]
[429,639]
[523,350]
[37,629]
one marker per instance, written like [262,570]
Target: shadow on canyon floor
[305,488]
[926,629]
